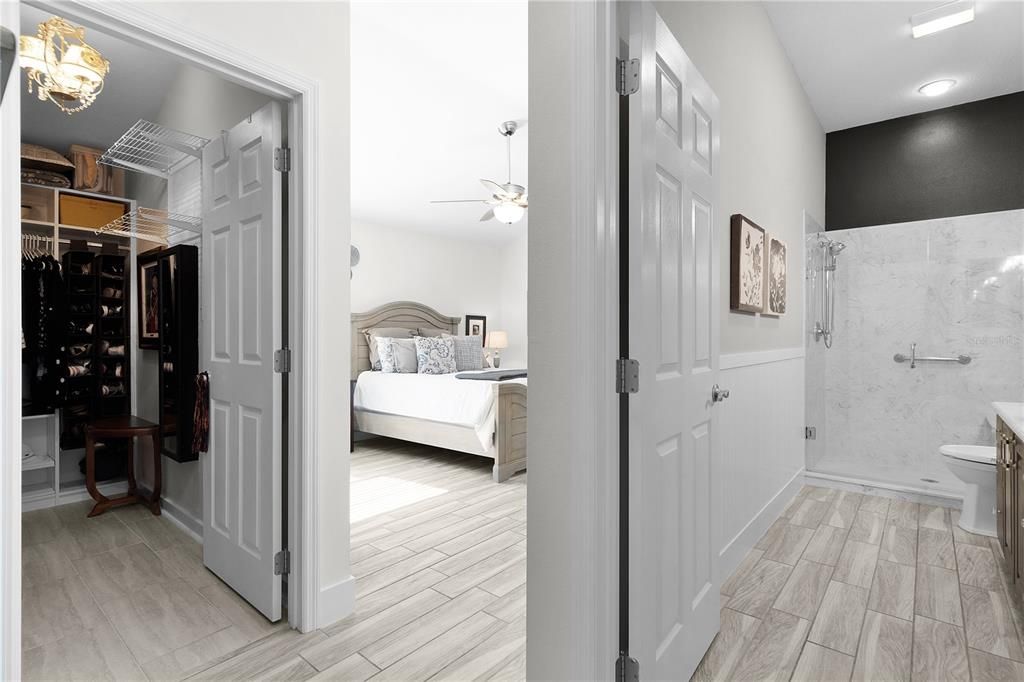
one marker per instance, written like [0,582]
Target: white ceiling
[859,64]
[431,82]
[134,89]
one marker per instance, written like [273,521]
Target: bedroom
[438,293]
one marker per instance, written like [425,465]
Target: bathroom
[913,315]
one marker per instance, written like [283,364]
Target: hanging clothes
[43,321]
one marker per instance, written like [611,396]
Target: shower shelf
[153,149]
[153,225]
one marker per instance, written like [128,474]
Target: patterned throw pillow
[435,354]
[469,352]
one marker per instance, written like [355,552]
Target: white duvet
[435,397]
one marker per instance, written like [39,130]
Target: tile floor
[438,551]
[850,586]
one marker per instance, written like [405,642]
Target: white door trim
[10,367]
[572,620]
[133,22]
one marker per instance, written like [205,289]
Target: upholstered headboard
[405,314]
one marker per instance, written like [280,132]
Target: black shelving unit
[178,320]
[97,372]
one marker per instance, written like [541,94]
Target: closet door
[240,330]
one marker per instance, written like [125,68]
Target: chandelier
[62,66]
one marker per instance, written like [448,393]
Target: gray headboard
[406,314]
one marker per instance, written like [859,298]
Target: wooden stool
[130,427]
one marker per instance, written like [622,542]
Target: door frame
[572,539]
[135,23]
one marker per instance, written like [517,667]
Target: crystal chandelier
[61,66]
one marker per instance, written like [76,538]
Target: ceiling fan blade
[458,201]
[494,188]
[487,216]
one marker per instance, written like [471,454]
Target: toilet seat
[980,454]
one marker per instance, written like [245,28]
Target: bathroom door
[673,320]
[240,330]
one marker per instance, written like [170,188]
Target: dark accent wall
[954,161]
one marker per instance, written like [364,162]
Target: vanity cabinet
[1010,500]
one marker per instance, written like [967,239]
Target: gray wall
[960,160]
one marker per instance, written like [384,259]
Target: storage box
[85,212]
[92,176]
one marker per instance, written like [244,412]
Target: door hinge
[282,562]
[810,433]
[282,159]
[627,79]
[627,669]
[283,360]
[627,375]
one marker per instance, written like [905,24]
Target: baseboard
[335,602]
[898,491]
[761,357]
[188,523]
[732,554]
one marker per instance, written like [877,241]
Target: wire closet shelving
[153,224]
[154,149]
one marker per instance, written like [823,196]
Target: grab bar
[913,359]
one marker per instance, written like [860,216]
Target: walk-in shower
[824,326]
[920,327]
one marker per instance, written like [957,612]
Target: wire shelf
[150,148]
[155,225]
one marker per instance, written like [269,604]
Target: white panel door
[241,294]
[673,319]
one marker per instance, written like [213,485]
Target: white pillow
[435,354]
[397,356]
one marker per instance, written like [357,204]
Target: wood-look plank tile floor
[438,553]
[848,586]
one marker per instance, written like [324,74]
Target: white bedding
[440,398]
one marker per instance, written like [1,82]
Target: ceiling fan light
[508,212]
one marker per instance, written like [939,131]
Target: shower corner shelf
[153,225]
[154,149]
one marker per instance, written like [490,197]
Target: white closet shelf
[153,224]
[154,149]
[37,461]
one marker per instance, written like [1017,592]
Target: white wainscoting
[762,449]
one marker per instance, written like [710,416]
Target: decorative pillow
[469,352]
[371,341]
[435,354]
[430,331]
[397,356]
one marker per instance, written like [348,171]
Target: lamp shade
[497,340]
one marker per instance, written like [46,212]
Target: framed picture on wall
[149,301]
[746,265]
[476,325]
[776,272]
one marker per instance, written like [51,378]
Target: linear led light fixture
[939,19]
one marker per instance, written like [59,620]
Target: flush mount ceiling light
[62,66]
[936,88]
[941,18]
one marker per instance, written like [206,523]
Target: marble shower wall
[954,286]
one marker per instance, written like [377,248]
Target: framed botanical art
[776,271]
[476,325]
[746,265]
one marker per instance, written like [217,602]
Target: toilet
[975,465]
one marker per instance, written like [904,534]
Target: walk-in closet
[121,484]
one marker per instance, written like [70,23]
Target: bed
[485,418]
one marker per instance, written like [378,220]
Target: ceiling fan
[508,201]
